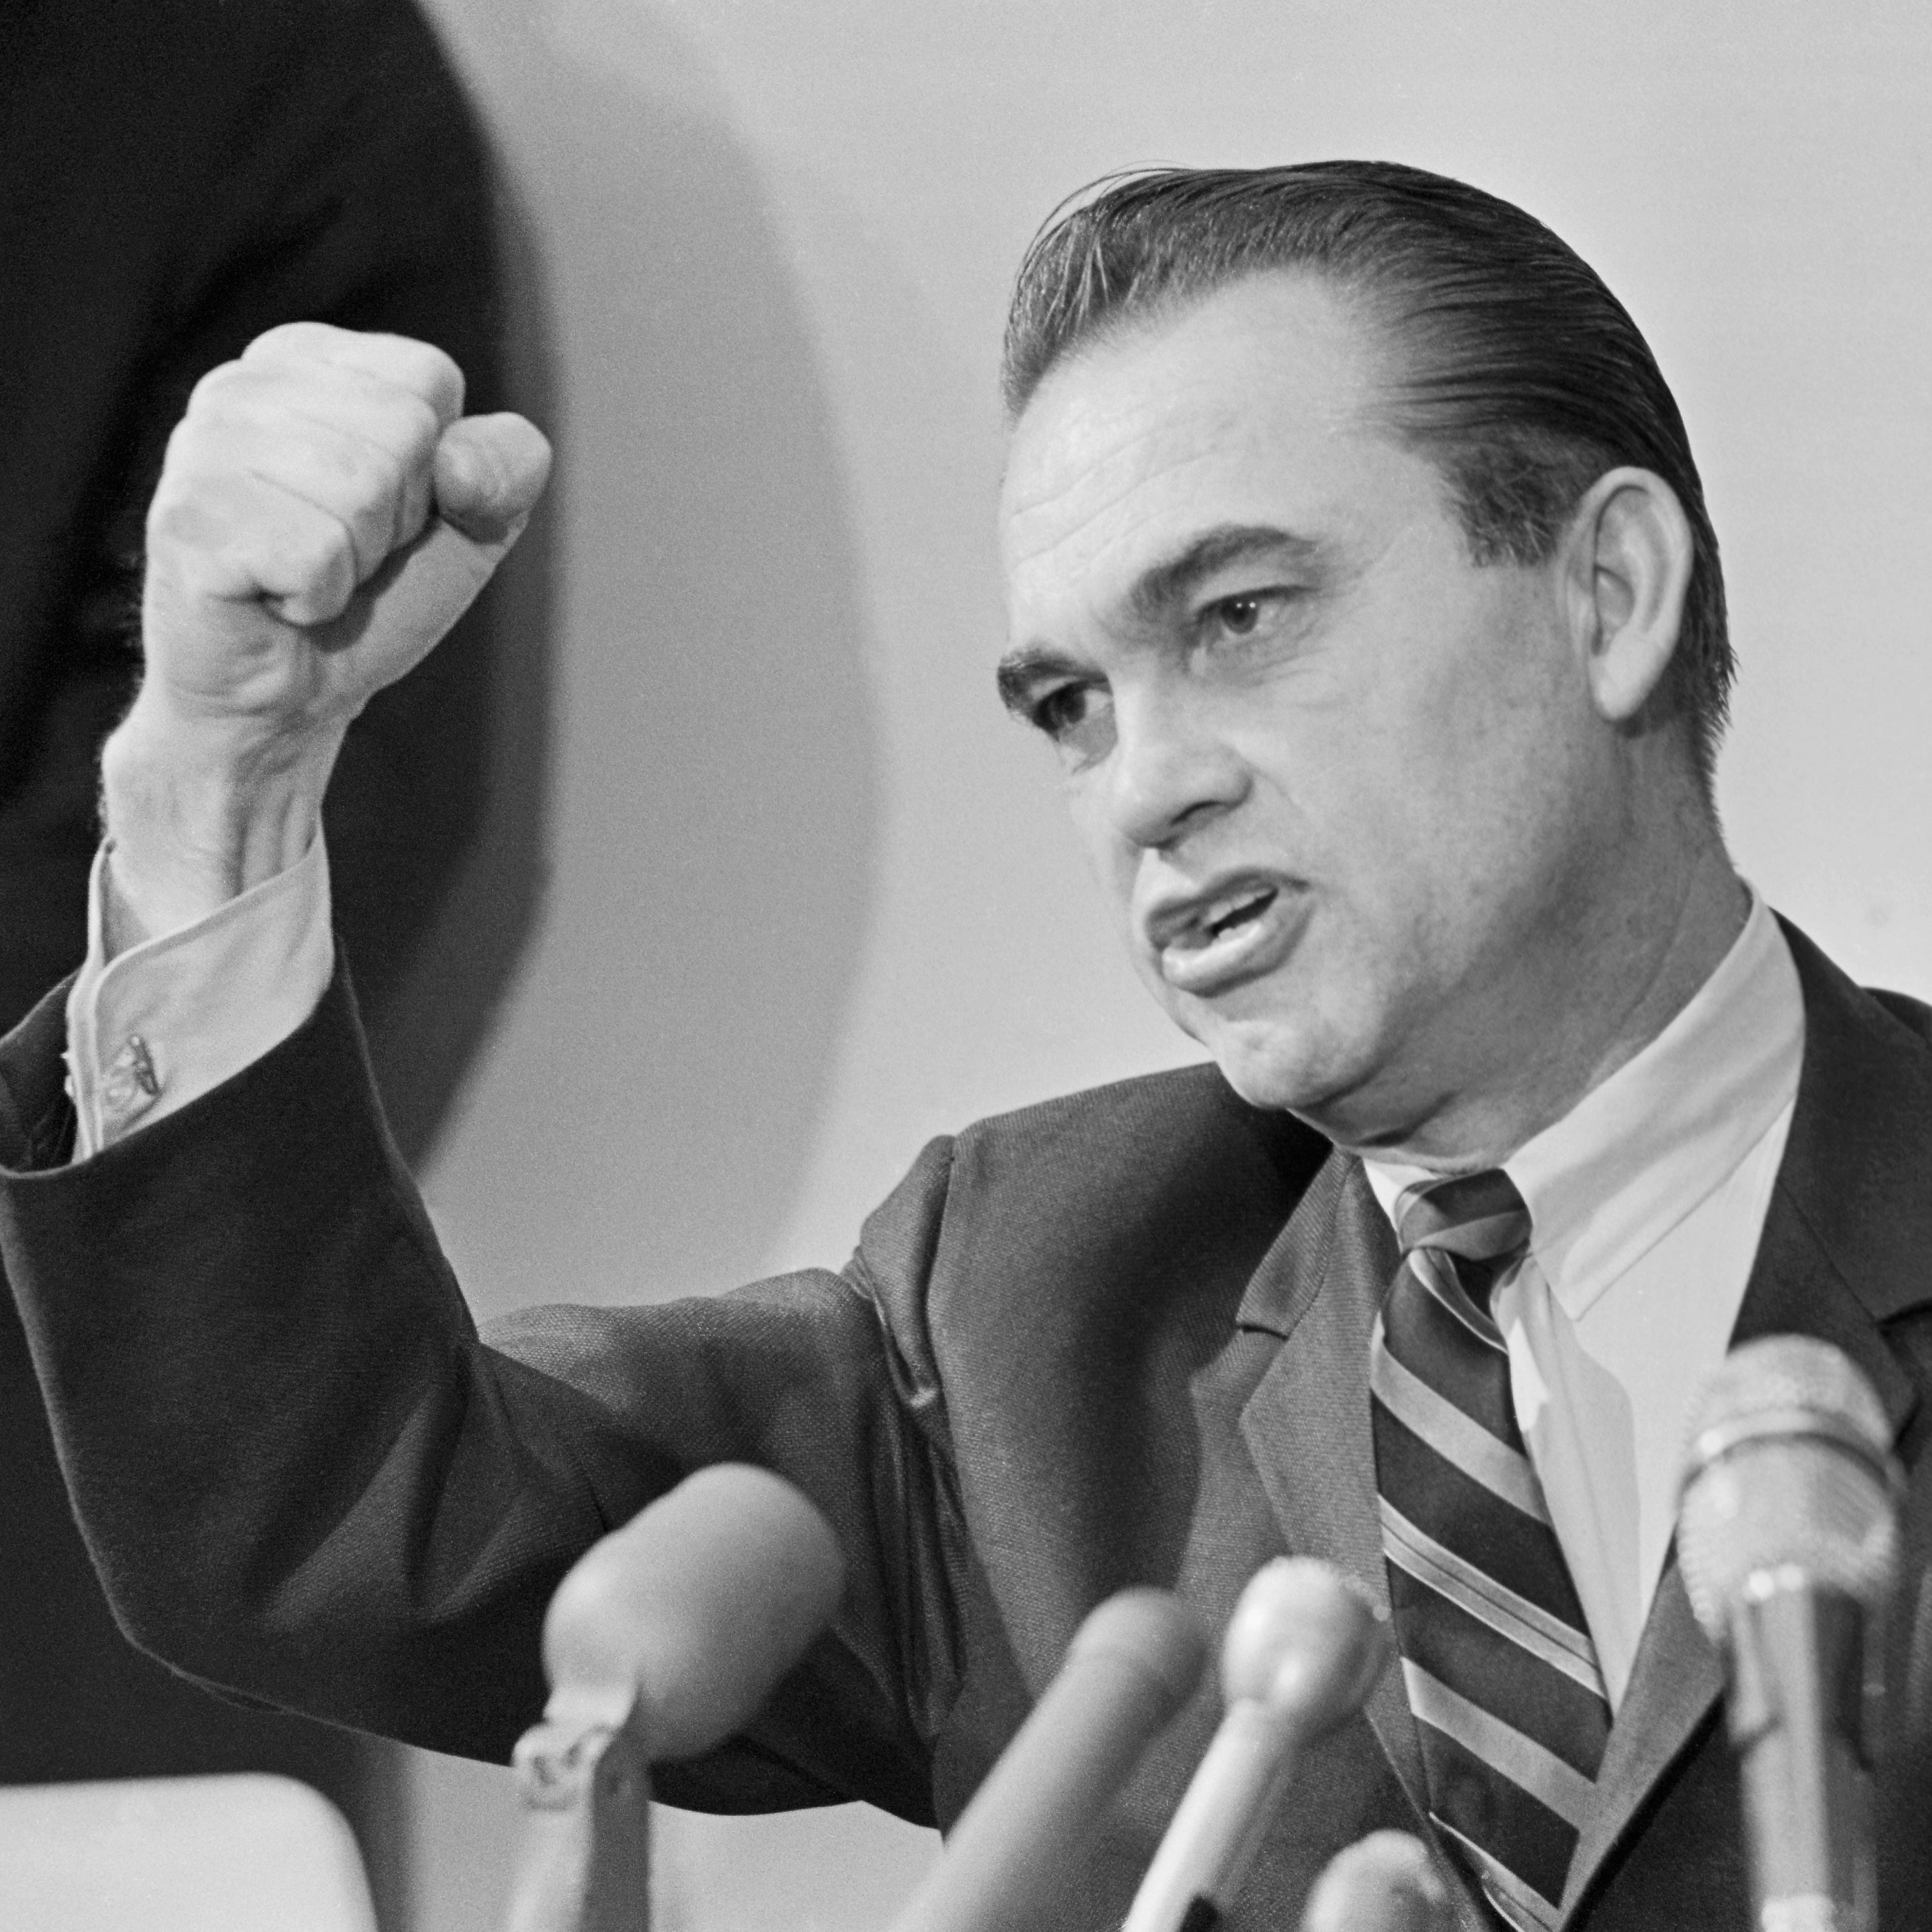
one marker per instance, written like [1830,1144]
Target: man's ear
[1628,570]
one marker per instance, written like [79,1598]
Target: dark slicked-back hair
[1515,371]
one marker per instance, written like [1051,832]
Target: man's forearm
[194,817]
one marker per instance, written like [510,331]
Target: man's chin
[1275,1067]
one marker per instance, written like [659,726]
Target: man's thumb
[489,471]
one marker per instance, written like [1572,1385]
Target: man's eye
[1241,616]
[1079,718]
[1060,710]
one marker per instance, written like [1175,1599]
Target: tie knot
[1476,1217]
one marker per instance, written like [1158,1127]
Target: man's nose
[1172,772]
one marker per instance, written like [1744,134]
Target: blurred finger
[489,471]
[235,538]
[358,483]
[368,447]
[1385,1882]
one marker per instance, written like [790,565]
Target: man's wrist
[197,811]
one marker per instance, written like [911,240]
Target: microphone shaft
[1218,1824]
[1796,1713]
[585,1864]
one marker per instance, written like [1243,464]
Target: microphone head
[1788,1468]
[696,1608]
[1307,1641]
[1385,1882]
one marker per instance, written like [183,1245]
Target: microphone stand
[1797,1712]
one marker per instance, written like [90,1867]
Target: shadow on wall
[713,794]
[688,794]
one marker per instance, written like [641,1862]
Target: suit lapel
[1306,1425]
[1843,1248]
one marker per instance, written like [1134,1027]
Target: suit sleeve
[303,1475]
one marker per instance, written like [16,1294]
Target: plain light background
[808,898]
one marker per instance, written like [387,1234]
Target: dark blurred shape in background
[175,177]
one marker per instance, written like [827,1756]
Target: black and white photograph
[965,970]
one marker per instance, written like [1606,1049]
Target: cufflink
[130,1084]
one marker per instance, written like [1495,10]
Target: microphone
[663,1640]
[1131,1665]
[1304,1648]
[1385,1882]
[1787,1537]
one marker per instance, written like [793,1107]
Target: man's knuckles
[220,480]
[239,399]
[418,368]
[296,342]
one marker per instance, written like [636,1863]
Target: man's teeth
[1225,913]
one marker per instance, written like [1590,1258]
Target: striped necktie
[1501,1674]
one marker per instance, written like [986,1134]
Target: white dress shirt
[1646,1200]
[167,1020]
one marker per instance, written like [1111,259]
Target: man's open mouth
[1219,938]
[1241,910]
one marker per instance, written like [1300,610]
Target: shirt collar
[1646,1147]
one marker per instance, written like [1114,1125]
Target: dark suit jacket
[1119,1338]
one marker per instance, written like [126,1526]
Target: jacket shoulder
[1914,1015]
[1159,1194]
[1085,1149]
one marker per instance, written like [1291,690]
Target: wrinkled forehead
[1252,405]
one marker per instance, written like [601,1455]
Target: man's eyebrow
[1162,585]
[1023,667]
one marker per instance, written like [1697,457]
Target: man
[1358,569]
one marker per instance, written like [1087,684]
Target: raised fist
[326,512]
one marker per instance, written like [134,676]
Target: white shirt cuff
[173,1018]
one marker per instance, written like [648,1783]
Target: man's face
[1344,787]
